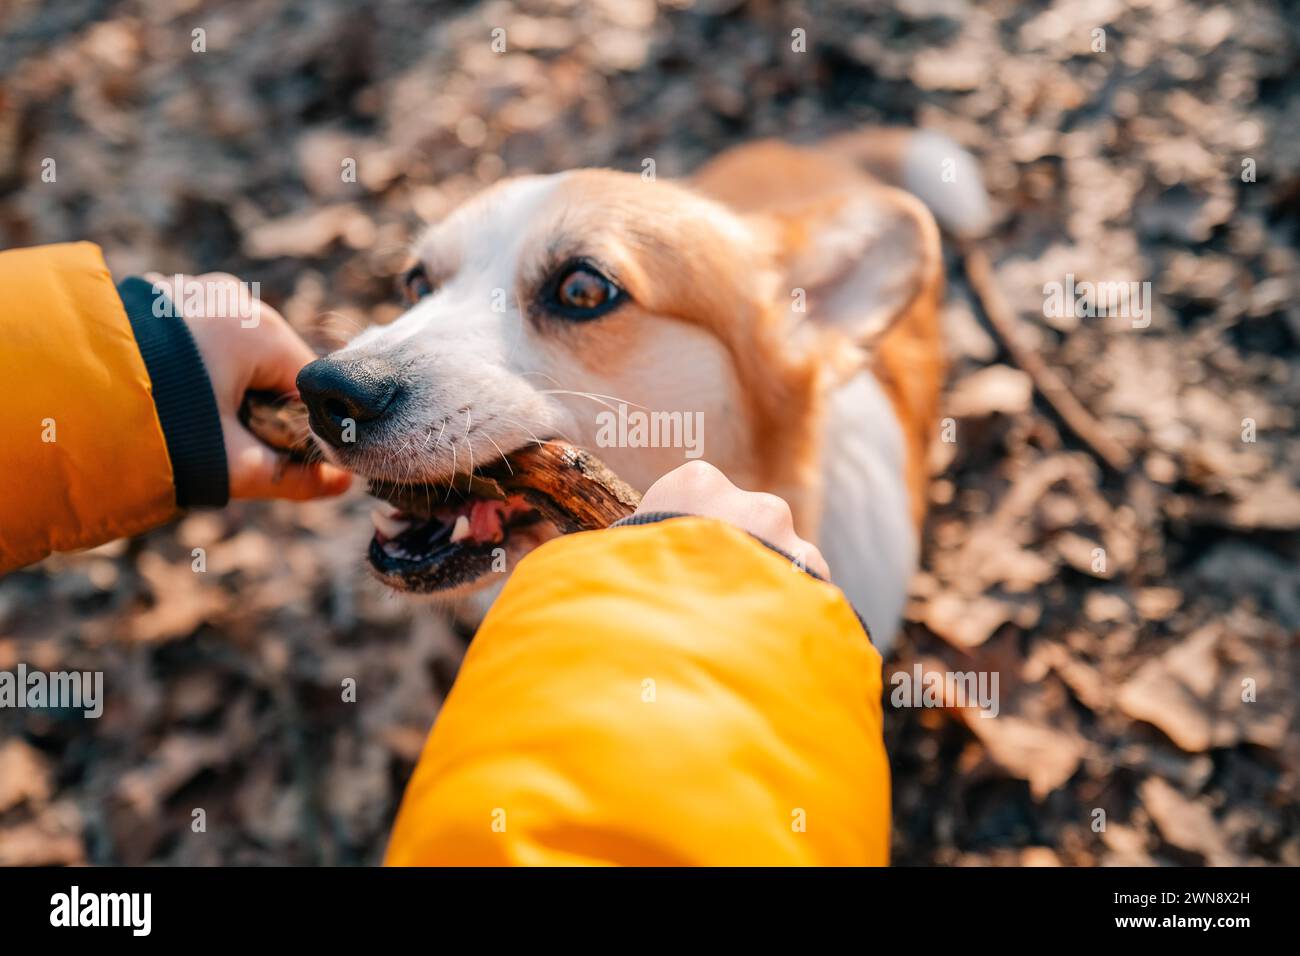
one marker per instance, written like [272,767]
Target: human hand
[698,488]
[245,344]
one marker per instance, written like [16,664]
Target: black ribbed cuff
[648,517]
[182,395]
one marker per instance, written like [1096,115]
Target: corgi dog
[784,298]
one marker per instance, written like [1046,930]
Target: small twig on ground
[979,271]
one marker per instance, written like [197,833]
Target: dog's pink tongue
[487,518]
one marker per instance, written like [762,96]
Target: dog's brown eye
[416,284]
[583,289]
[580,291]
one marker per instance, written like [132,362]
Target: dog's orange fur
[793,185]
[680,258]
[707,281]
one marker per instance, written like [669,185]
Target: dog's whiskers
[593,396]
[531,434]
[500,452]
[452,477]
[469,445]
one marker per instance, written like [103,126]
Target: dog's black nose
[343,396]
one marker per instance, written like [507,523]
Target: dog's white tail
[928,165]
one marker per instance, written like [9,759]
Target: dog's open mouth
[430,539]
[440,537]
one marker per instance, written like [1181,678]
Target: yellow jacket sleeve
[666,694]
[84,456]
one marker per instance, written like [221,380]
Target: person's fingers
[809,557]
[696,484]
[258,472]
[699,477]
[281,355]
[223,277]
[699,488]
[767,512]
[769,517]
[278,370]
[212,295]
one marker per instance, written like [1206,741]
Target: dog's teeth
[460,530]
[386,524]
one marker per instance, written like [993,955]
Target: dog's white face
[522,326]
[548,307]
[636,318]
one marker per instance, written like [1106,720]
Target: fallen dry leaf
[24,775]
[1045,756]
[1186,824]
[996,389]
[966,623]
[1176,692]
[53,838]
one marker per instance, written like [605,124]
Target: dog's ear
[855,262]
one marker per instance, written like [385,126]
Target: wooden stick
[1050,385]
[278,422]
[572,488]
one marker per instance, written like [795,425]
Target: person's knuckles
[700,481]
[287,343]
[770,504]
[248,459]
[667,489]
[814,553]
[771,513]
[698,472]
[222,278]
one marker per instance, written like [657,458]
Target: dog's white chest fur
[867,534]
